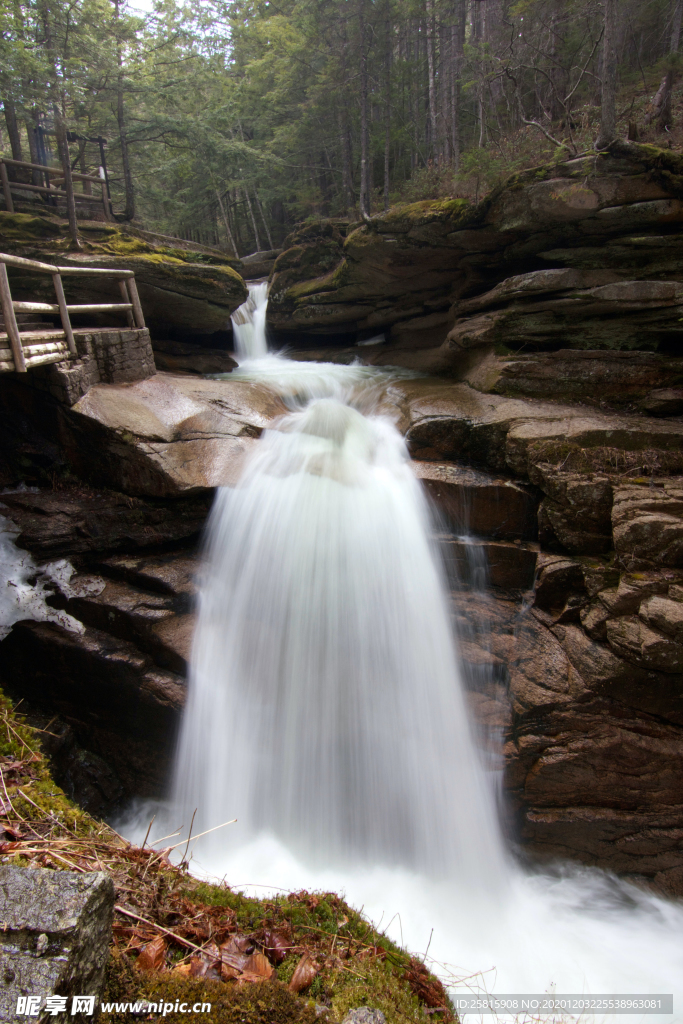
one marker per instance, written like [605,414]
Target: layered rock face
[582,694]
[582,255]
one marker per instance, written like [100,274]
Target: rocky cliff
[581,256]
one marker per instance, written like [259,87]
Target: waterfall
[249,323]
[325,702]
[325,712]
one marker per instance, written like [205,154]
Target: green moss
[379,990]
[265,1003]
[27,227]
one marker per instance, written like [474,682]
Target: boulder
[57,928]
[259,264]
[665,615]
[169,435]
[79,520]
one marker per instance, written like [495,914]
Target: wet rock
[452,421]
[648,524]
[81,520]
[119,705]
[180,357]
[599,378]
[607,673]
[168,435]
[507,567]
[55,936]
[474,502]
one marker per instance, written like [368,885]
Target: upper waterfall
[249,323]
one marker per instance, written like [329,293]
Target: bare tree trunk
[608,109]
[346,154]
[13,129]
[63,149]
[226,224]
[458,38]
[431,77]
[662,101]
[60,129]
[387,115]
[365,184]
[263,218]
[253,219]
[33,152]
[129,211]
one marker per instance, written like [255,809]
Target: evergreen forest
[228,121]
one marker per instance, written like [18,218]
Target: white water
[326,714]
[24,586]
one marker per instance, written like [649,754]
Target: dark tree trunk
[662,101]
[608,105]
[365,168]
[129,211]
[387,115]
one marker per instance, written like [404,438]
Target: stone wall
[113,356]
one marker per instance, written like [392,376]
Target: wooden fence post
[135,299]
[64,313]
[126,298]
[7,191]
[11,321]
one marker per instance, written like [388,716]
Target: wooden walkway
[35,345]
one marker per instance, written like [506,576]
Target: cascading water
[249,323]
[324,676]
[325,713]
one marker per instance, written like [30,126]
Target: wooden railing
[129,293]
[54,176]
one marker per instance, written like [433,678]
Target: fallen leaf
[198,967]
[259,964]
[304,974]
[15,833]
[184,970]
[276,944]
[153,956]
[249,978]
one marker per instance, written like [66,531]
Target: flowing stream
[326,714]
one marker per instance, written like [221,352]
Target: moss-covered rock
[185,291]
